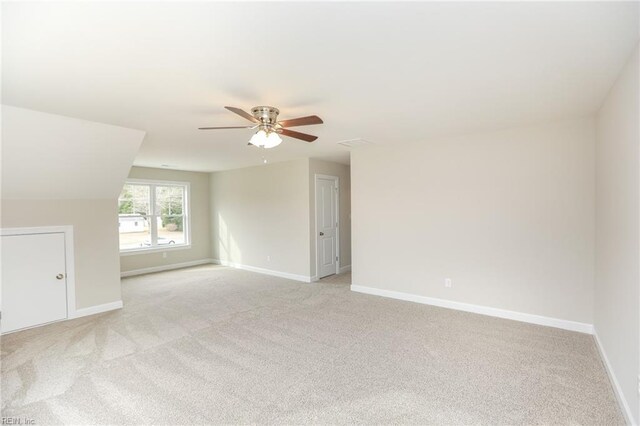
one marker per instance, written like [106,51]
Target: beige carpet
[217,345]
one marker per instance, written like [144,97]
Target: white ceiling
[386,72]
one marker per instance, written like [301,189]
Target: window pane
[134,200]
[135,232]
[169,200]
[139,217]
[171,230]
[133,221]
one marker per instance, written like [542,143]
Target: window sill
[132,252]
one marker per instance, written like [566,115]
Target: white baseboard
[161,268]
[98,309]
[344,269]
[622,401]
[303,278]
[341,270]
[478,309]
[78,313]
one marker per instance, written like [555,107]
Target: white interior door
[327,225]
[34,289]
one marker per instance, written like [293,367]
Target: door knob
[321,234]
[60,276]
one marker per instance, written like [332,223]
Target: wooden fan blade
[298,135]
[230,127]
[302,121]
[242,113]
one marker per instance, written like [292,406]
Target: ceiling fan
[265,119]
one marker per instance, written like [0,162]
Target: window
[153,215]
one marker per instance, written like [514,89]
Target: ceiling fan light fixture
[258,138]
[265,118]
[263,139]
[273,140]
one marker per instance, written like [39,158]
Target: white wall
[200,219]
[343,172]
[51,157]
[617,293]
[260,217]
[508,216]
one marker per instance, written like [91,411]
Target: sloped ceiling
[388,72]
[46,156]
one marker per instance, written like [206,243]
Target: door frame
[69,259]
[336,180]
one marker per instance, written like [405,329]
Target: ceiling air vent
[354,143]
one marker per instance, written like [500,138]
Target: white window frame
[153,223]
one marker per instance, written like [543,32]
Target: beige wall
[95,232]
[343,172]
[507,216]
[59,171]
[617,293]
[200,221]
[260,216]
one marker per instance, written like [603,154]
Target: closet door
[34,280]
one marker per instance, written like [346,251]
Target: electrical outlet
[164,254]
[447,282]
[268,258]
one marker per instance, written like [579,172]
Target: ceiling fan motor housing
[266,114]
